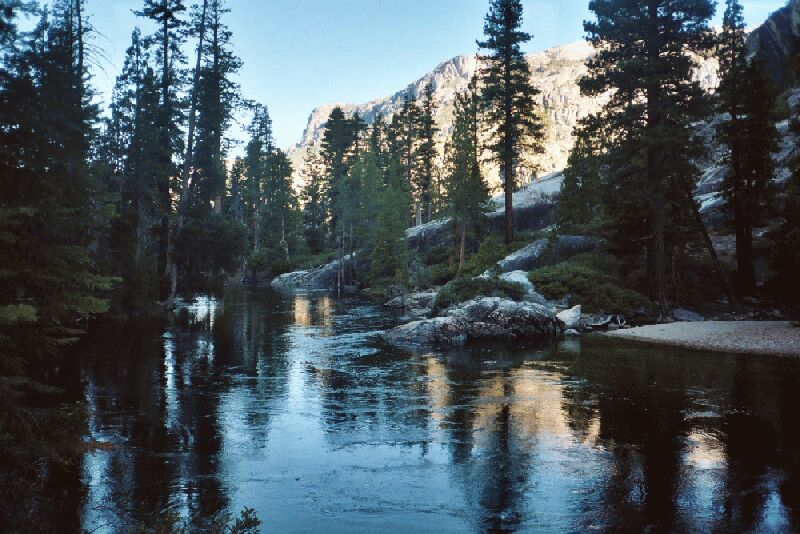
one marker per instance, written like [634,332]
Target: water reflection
[287,404]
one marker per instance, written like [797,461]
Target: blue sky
[302,53]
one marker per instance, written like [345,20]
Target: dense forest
[119,211]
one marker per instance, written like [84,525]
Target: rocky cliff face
[555,72]
[775,40]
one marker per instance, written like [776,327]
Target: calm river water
[287,404]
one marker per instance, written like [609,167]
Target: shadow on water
[289,405]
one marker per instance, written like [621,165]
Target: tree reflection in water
[289,405]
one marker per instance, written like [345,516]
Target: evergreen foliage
[52,212]
[426,153]
[747,97]
[467,191]
[644,65]
[508,96]
[580,203]
[389,249]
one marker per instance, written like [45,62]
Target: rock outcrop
[521,278]
[480,319]
[534,205]
[547,251]
[322,278]
[571,318]
[773,42]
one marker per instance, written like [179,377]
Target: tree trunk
[745,272]
[659,257]
[256,229]
[166,201]
[508,188]
[187,161]
[461,252]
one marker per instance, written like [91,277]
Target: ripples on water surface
[288,405]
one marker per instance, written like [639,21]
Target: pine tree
[314,198]
[389,249]
[404,143]
[580,202]
[378,142]
[236,201]
[257,154]
[426,153]
[467,192]
[130,135]
[508,96]
[280,203]
[48,212]
[746,95]
[357,128]
[218,97]
[336,153]
[169,38]
[644,63]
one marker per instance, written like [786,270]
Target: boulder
[446,331]
[547,251]
[571,317]
[687,316]
[521,278]
[480,319]
[324,277]
[415,303]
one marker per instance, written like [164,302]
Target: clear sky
[302,53]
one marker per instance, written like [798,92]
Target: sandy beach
[746,337]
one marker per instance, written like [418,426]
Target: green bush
[489,253]
[464,289]
[589,281]
[442,273]
[278,267]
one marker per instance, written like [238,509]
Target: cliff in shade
[776,40]
[555,72]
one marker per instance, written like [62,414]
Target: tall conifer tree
[467,192]
[508,96]
[747,97]
[643,62]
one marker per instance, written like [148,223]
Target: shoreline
[736,337]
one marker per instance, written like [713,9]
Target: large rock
[325,277]
[547,251]
[521,278]
[480,319]
[686,316]
[445,331]
[571,317]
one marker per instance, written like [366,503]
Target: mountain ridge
[555,72]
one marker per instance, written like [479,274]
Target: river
[289,405]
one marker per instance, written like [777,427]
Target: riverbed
[289,404]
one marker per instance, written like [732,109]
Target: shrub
[442,273]
[489,253]
[588,280]
[464,289]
